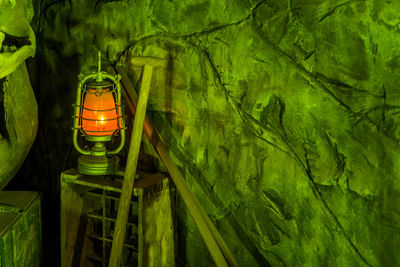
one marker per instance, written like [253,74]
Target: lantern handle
[99,74]
[99,63]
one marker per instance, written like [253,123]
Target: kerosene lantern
[99,119]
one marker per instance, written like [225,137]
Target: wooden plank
[71,210]
[140,228]
[214,242]
[191,204]
[93,182]
[150,180]
[20,240]
[129,178]
[158,238]
[146,179]
[149,61]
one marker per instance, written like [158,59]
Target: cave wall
[282,115]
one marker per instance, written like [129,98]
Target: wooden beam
[149,61]
[70,211]
[130,171]
[156,226]
[142,180]
[140,227]
[150,180]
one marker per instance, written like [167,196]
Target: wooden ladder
[217,247]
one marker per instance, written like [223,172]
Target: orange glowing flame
[99,114]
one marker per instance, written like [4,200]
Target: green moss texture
[282,115]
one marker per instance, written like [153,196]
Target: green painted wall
[283,115]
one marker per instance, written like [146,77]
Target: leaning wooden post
[130,171]
[211,236]
[191,204]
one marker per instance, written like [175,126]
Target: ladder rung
[126,244]
[94,194]
[132,222]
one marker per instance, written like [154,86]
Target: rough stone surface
[19,123]
[18,108]
[283,116]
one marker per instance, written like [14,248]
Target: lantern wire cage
[98,117]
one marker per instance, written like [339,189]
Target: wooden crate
[88,211]
[20,231]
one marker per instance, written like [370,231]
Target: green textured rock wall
[283,116]
[18,108]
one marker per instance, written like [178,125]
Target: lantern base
[98,165]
